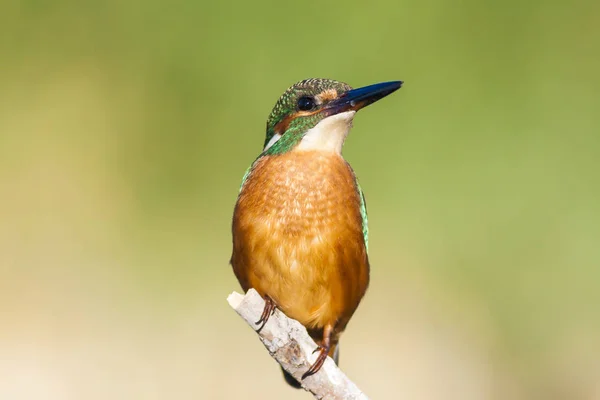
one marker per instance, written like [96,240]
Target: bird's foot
[267,312]
[323,351]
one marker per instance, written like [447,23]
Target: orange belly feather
[298,238]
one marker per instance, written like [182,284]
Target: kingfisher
[300,234]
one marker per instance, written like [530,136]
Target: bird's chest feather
[301,194]
[298,234]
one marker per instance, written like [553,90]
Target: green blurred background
[126,127]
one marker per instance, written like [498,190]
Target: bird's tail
[294,383]
[290,379]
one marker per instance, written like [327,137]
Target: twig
[289,344]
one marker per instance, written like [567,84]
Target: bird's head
[316,114]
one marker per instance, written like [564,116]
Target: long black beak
[355,99]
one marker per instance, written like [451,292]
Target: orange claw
[323,352]
[318,363]
[267,312]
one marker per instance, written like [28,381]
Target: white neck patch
[329,134]
[274,139]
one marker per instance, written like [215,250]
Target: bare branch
[289,344]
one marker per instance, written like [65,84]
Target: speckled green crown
[287,103]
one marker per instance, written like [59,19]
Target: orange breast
[297,237]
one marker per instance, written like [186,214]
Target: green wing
[249,170]
[363,213]
[246,174]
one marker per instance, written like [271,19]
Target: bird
[300,225]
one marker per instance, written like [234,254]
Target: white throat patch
[329,134]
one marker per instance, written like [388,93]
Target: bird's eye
[306,103]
